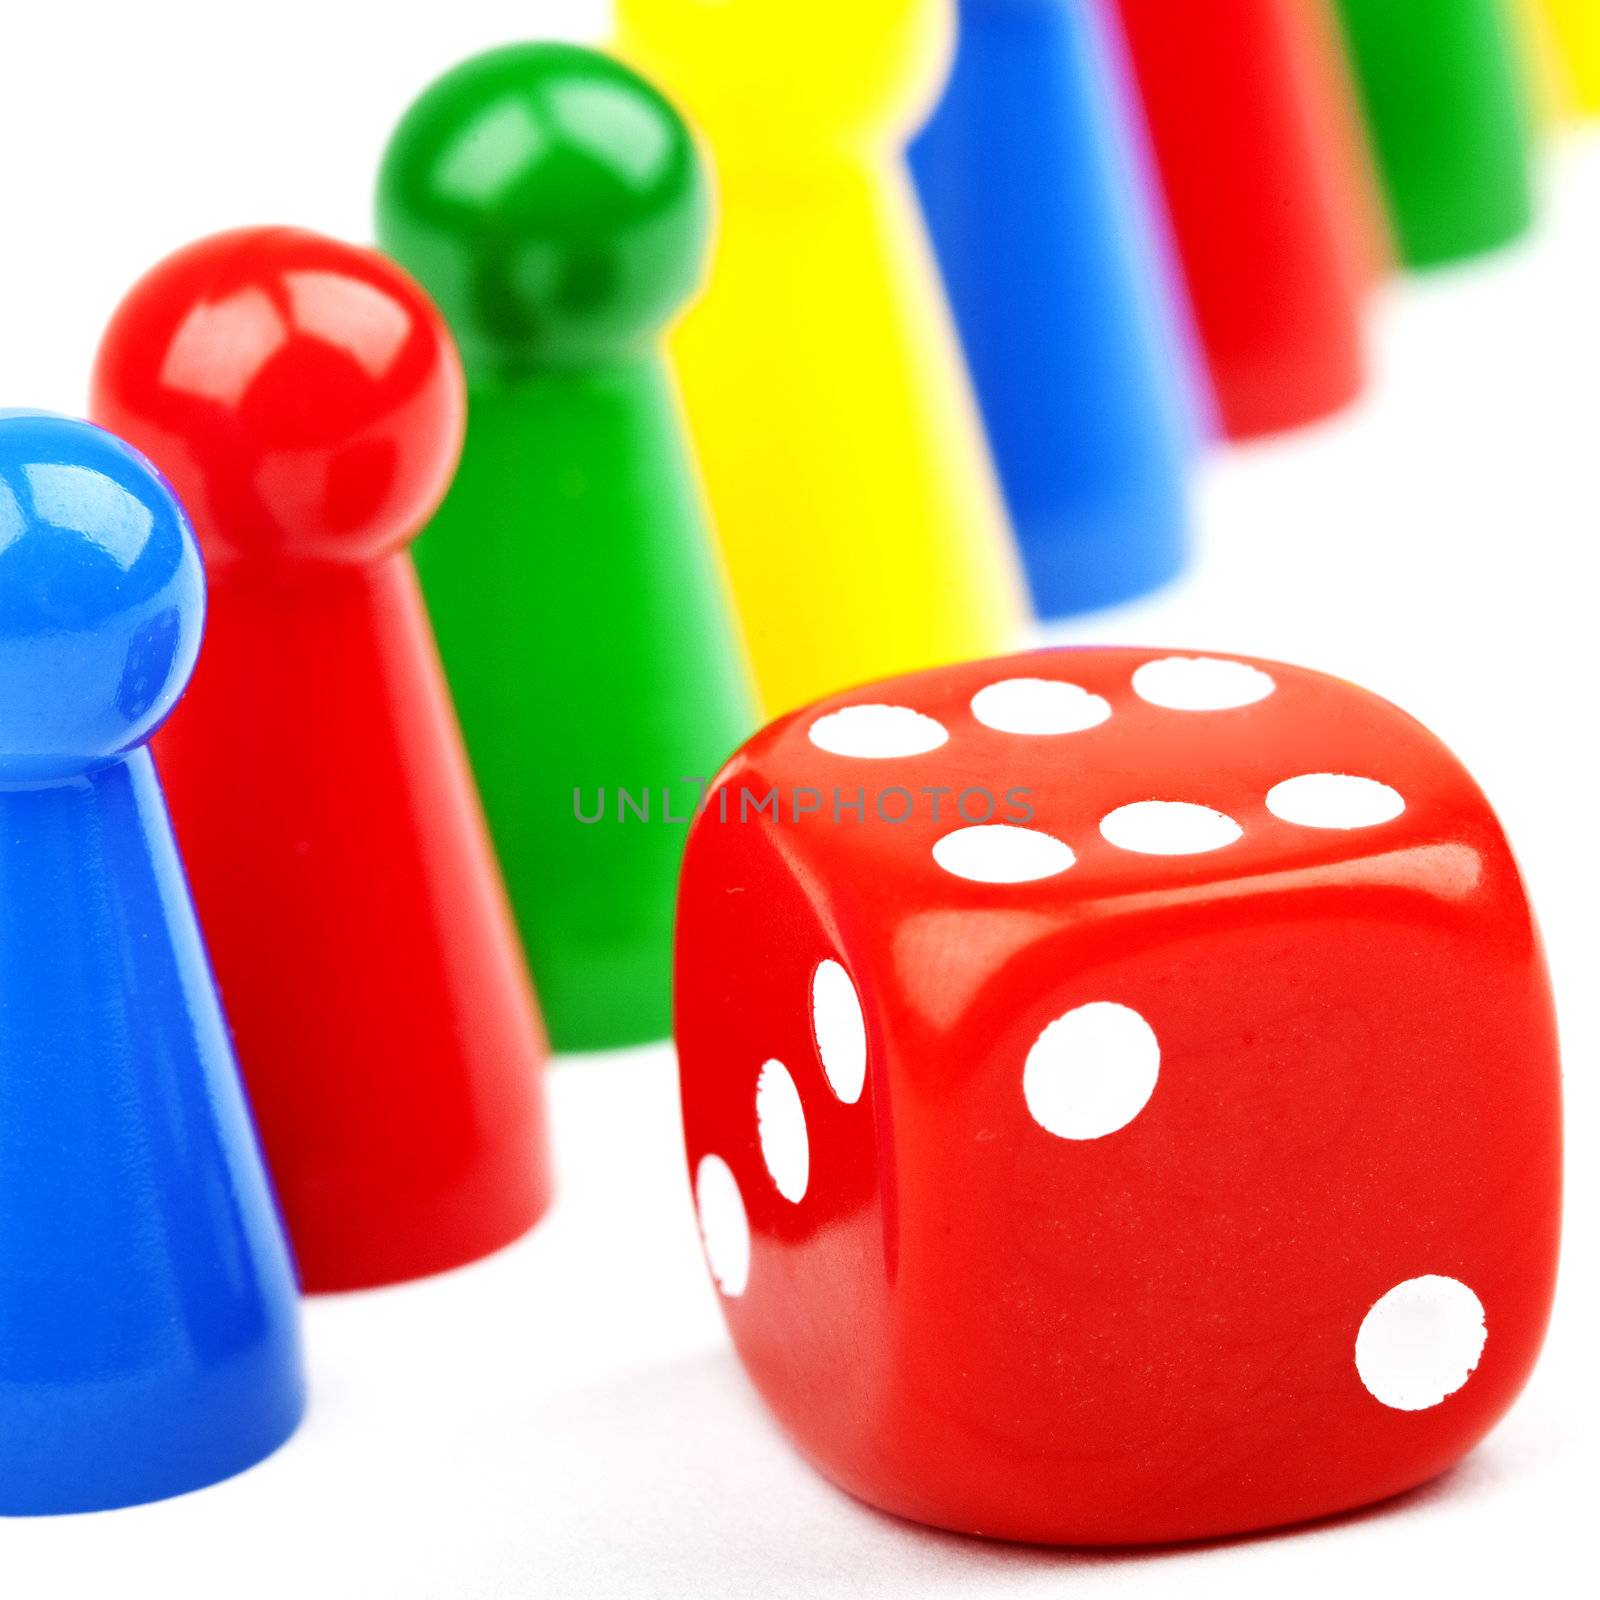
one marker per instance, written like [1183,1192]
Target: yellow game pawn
[845,462]
[1549,94]
[1576,27]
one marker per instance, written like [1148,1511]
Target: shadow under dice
[1121,1094]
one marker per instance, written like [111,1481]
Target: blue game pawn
[1032,177]
[149,1337]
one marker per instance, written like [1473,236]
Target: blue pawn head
[102,597]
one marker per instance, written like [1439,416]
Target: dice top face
[1097,774]
[1162,1140]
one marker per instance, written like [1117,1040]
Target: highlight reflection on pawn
[554,204]
[149,1339]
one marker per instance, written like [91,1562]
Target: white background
[566,1419]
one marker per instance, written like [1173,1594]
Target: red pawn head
[302,394]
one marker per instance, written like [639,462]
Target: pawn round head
[758,75]
[302,394]
[101,597]
[552,202]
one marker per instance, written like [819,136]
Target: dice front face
[1162,1140]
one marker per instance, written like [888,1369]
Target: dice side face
[1222,1186]
[1160,1324]
[804,1271]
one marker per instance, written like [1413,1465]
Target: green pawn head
[551,201]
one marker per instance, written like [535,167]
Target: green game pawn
[1442,86]
[554,205]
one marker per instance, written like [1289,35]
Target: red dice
[1121,1094]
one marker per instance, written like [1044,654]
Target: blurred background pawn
[149,1336]
[1442,83]
[1033,177]
[848,474]
[554,204]
[305,398]
[1248,108]
[1575,33]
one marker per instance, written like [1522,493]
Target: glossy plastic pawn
[1054,253]
[554,204]
[1249,114]
[849,476]
[148,1323]
[1575,33]
[1442,85]
[306,398]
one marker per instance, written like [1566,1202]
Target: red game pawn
[305,399]
[1272,200]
